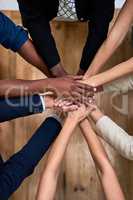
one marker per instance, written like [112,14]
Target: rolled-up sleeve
[11,36]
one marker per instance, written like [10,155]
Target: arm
[122,85]
[29,53]
[113,134]
[50,176]
[22,164]
[16,38]
[98,29]
[108,177]
[116,72]
[49,179]
[61,86]
[39,28]
[114,39]
[12,108]
[12,88]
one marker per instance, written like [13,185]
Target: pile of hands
[77,111]
[74,98]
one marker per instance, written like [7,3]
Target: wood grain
[78,179]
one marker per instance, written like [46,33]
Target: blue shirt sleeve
[11,36]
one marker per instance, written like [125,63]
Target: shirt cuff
[42,98]
[102,120]
[55,116]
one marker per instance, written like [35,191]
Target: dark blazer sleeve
[13,108]
[22,164]
[98,30]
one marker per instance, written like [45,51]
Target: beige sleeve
[116,136]
[121,85]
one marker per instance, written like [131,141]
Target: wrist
[49,101]
[96,114]
[98,89]
[72,119]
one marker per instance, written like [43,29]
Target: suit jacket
[22,164]
[86,9]
[37,14]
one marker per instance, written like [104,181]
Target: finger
[86,87]
[57,102]
[70,108]
[82,91]
[76,96]
[65,103]
[78,78]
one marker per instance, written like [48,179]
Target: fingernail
[94,89]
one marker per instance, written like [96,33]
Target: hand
[66,85]
[91,83]
[91,103]
[49,101]
[65,104]
[81,113]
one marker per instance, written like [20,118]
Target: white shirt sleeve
[121,85]
[116,136]
[54,115]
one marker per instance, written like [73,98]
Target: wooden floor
[78,180]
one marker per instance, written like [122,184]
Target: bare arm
[29,53]
[108,177]
[60,86]
[115,73]
[49,179]
[22,87]
[50,176]
[114,39]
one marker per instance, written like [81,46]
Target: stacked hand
[70,86]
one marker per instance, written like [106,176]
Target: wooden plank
[78,179]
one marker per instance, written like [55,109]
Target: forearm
[12,88]
[23,163]
[122,85]
[94,144]
[116,72]
[50,175]
[115,38]
[29,53]
[12,108]
[109,180]
[115,136]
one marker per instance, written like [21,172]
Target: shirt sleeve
[116,137]
[122,85]
[22,164]
[12,108]
[11,36]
